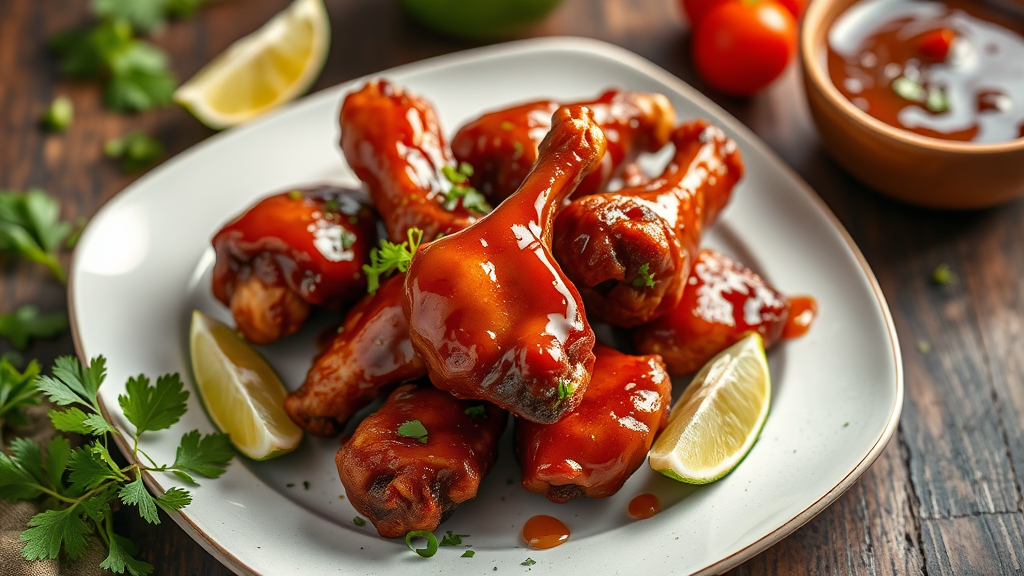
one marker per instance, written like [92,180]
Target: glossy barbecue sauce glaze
[544,532]
[947,70]
[802,311]
[644,506]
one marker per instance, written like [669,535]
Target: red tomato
[740,47]
[696,10]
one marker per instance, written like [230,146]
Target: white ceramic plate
[143,265]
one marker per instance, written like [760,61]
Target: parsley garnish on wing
[30,227]
[390,257]
[413,429]
[644,277]
[81,484]
[471,198]
[476,411]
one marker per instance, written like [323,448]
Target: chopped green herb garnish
[943,275]
[390,257]
[347,239]
[924,346]
[295,195]
[476,411]
[460,189]
[908,89]
[26,322]
[644,276]
[565,389]
[936,101]
[332,205]
[413,429]
[30,227]
[182,8]
[528,562]
[468,554]
[431,548]
[17,390]
[846,424]
[359,521]
[136,150]
[305,485]
[290,485]
[508,126]
[59,115]
[518,147]
[452,539]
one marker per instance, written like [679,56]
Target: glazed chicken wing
[490,311]
[392,140]
[723,302]
[371,351]
[629,252]
[502,146]
[410,464]
[594,449]
[290,251]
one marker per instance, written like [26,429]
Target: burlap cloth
[14,517]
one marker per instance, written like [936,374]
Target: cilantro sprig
[17,390]
[390,257]
[644,276]
[79,485]
[30,227]
[461,190]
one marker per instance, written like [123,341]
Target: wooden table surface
[945,495]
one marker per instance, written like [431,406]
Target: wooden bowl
[909,167]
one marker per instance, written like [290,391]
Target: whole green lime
[478,18]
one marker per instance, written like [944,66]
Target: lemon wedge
[241,392]
[719,416]
[265,69]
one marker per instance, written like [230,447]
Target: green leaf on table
[26,322]
[174,500]
[136,150]
[157,407]
[69,420]
[17,389]
[29,455]
[30,227]
[59,115]
[144,15]
[16,483]
[135,494]
[207,456]
[58,454]
[139,79]
[182,8]
[73,383]
[89,470]
[96,507]
[50,530]
[120,558]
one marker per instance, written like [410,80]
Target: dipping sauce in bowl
[940,69]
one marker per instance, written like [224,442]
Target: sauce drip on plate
[544,531]
[802,310]
[644,506]
[941,69]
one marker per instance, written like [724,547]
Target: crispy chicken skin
[594,449]
[291,251]
[502,146]
[723,302]
[371,351]
[630,252]
[490,311]
[392,140]
[400,483]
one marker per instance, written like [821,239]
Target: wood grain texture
[944,497]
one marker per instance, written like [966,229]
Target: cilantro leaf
[207,456]
[644,276]
[73,383]
[59,115]
[89,471]
[16,483]
[151,408]
[468,554]
[26,322]
[50,530]
[120,558]
[460,189]
[135,149]
[452,539]
[390,257]
[58,453]
[135,494]
[29,456]
[475,411]
[144,15]
[97,506]
[30,227]
[69,420]
[174,500]
[413,429]
[17,389]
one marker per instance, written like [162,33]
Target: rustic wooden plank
[870,530]
[987,544]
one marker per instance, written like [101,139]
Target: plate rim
[645,66]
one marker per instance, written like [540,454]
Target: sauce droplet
[644,506]
[544,531]
[802,311]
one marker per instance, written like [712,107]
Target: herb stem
[53,263]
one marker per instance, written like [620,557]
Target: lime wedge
[265,69]
[718,418]
[241,392]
